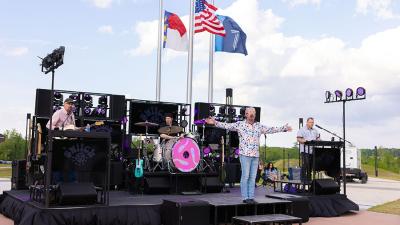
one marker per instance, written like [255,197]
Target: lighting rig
[337,96]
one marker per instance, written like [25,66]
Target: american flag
[206,20]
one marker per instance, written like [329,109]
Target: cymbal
[146,124]
[170,130]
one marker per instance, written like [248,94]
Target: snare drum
[183,153]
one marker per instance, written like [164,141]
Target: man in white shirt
[64,116]
[307,133]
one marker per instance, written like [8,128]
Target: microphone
[63,124]
[318,126]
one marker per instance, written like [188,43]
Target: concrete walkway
[375,192]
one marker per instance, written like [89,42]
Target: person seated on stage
[259,171]
[63,117]
[169,121]
[270,174]
[307,133]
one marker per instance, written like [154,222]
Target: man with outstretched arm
[249,132]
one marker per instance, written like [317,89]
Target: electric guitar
[39,139]
[222,172]
[139,162]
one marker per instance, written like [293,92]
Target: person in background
[259,171]
[270,174]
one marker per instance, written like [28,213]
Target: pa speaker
[77,194]
[117,107]
[201,110]
[18,179]
[211,184]
[185,212]
[325,186]
[157,185]
[42,103]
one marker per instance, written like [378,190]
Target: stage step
[266,219]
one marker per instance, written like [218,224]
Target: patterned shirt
[61,119]
[249,135]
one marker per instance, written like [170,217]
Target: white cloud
[288,75]
[17,51]
[294,3]
[381,8]
[106,29]
[148,36]
[102,3]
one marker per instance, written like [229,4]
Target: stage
[125,208]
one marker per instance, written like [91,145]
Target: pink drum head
[186,154]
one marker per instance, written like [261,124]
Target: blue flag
[234,40]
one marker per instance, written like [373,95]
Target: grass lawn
[390,207]
[385,174]
[381,173]
[5,170]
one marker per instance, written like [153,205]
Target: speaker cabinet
[211,184]
[157,185]
[325,186]
[18,178]
[185,212]
[42,103]
[117,107]
[77,194]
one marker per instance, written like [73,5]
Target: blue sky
[316,44]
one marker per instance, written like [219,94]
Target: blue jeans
[248,180]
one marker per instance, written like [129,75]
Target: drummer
[169,121]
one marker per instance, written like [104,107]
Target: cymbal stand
[145,157]
[203,165]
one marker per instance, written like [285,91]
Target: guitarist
[64,116]
[249,141]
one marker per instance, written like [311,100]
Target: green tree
[13,146]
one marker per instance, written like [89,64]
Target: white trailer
[353,164]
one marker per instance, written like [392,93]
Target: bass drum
[182,154]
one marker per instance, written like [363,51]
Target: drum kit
[180,153]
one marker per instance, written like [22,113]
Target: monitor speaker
[77,194]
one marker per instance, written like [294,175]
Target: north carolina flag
[175,35]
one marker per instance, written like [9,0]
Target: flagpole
[190,55]
[211,68]
[159,50]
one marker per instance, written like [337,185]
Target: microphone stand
[340,138]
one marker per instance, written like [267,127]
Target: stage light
[328,96]
[53,60]
[211,109]
[232,111]
[103,101]
[87,98]
[360,92]
[222,110]
[349,93]
[338,95]
[183,111]
[58,96]
[243,111]
[56,107]
[87,110]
